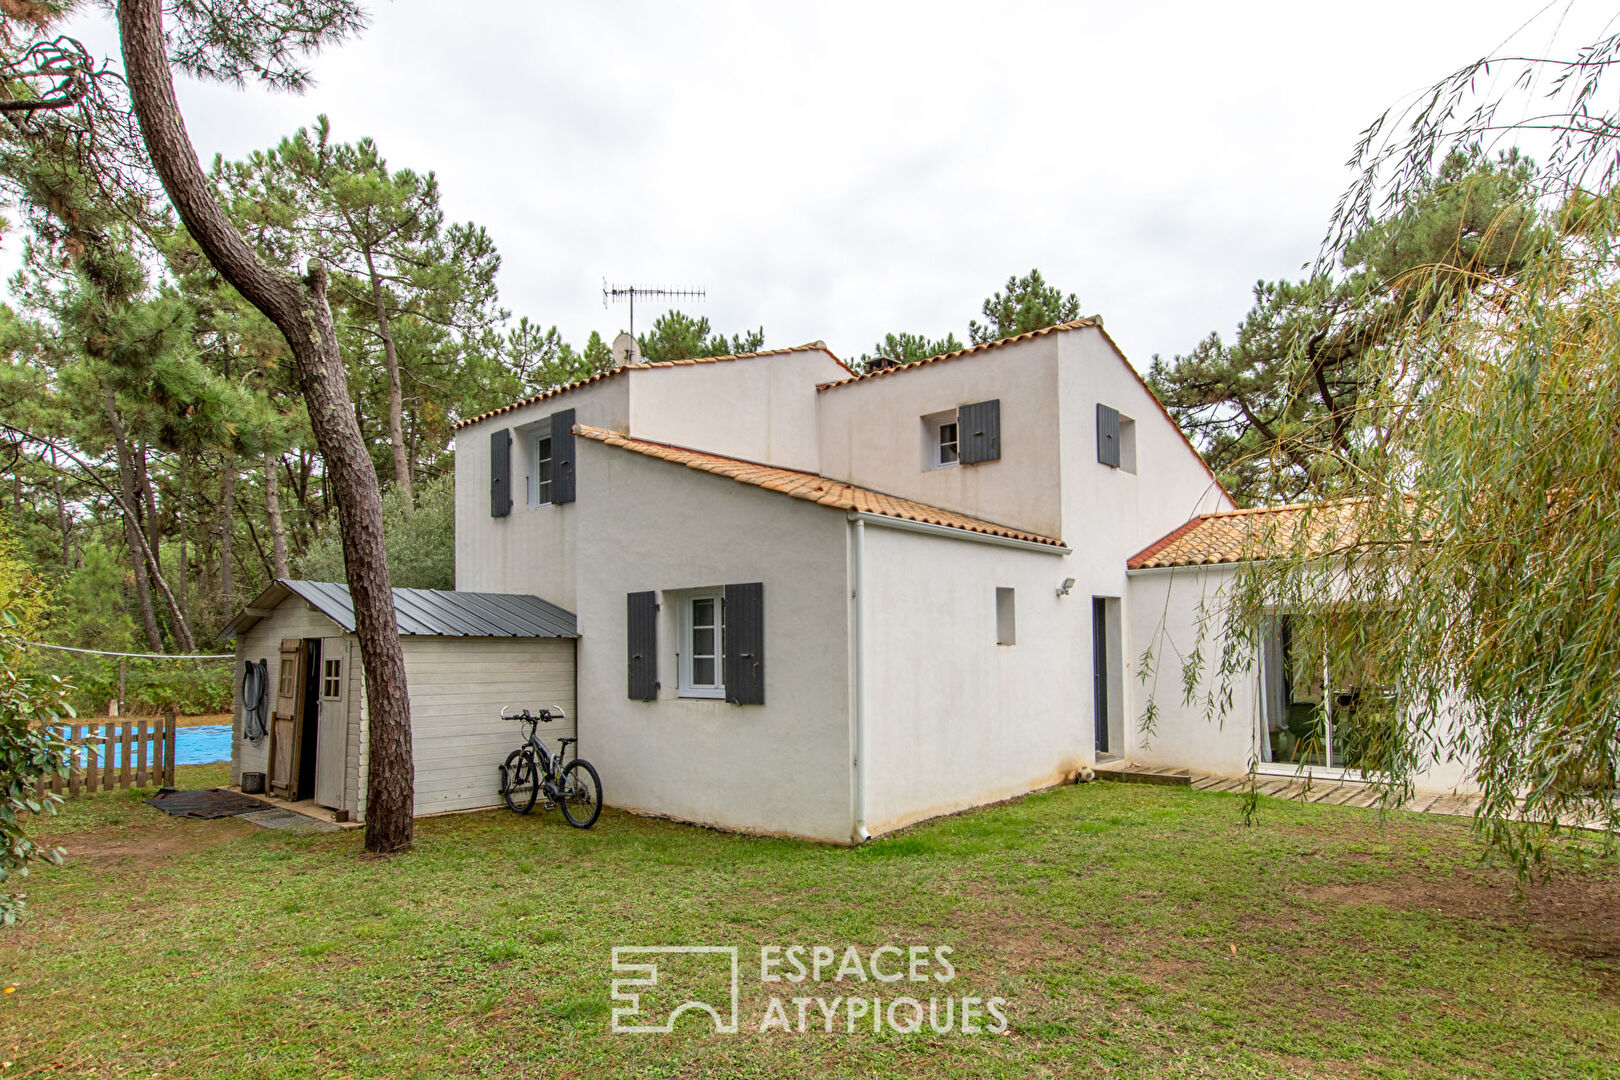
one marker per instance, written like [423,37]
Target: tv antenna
[630,292]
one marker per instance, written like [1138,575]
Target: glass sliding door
[1313,712]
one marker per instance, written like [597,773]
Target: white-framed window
[701,645]
[942,440]
[542,470]
[331,679]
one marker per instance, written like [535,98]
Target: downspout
[858,633]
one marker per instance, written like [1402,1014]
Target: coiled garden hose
[255,682]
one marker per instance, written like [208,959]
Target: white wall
[872,434]
[782,767]
[458,687]
[1110,514]
[1165,609]
[762,408]
[953,719]
[531,549]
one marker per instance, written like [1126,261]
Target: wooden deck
[1337,792]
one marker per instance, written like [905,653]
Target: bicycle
[532,770]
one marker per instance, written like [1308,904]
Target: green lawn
[1133,931]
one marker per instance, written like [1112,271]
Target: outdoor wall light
[1063,589]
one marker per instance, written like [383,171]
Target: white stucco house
[811,602]
[824,604]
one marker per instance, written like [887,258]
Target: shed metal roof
[424,612]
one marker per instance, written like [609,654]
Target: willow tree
[1469,564]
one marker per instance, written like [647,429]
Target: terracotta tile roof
[1246,535]
[810,486]
[1074,324]
[644,366]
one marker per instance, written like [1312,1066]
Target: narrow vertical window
[1006,618]
[702,644]
[705,631]
[947,443]
[542,470]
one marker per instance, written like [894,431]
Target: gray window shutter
[562,456]
[744,620]
[500,473]
[1107,435]
[642,635]
[978,431]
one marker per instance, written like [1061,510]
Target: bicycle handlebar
[545,715]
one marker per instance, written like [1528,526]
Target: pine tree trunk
[299,309]
[182,577]
[272,510]
[226,527]
[132,527]
[62,516]
[154,528]
[396,389]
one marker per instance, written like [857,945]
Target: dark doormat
[214,803]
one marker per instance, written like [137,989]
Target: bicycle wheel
[522,781]
[582,794]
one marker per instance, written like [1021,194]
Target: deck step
[1121,773]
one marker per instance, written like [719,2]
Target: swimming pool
[197,745]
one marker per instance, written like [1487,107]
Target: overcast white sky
[839,170]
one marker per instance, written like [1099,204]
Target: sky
[835,171]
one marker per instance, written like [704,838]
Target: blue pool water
[192,746]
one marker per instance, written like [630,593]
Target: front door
[1099,669]
[286,723]
[332,737]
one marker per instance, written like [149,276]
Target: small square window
[702,644]
[331,679]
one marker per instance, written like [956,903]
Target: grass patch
[1137,930]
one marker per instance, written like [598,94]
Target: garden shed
[300,706]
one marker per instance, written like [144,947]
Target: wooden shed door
[286,723]
[332,740]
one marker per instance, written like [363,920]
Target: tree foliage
[420,534]
[29,699]
[1029,303]
[678,336]
[1280,409]
[907,348]
[1468,565]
